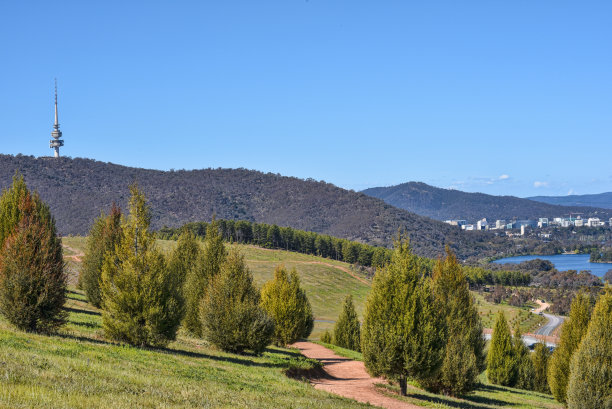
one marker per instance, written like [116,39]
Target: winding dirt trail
[348,378]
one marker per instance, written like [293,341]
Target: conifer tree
[32,278]
[104,235]
[287,304]
[140,298]
[572,332]
[540,357]
[347,331]
[185,259]
[197,279]
[326,337]
[463,354]
[401,332]
[232,318]
[525,372]
[590,381]
[501,359]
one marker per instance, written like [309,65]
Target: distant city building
[456,222]
[56,142]
[523,229]
[579,222]
[500,224]
[542,222]
[468,227]
[482,225]
[610,221]
[594,222]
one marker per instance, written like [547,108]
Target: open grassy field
[77,368]
[488,313]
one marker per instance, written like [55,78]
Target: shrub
[198,277]
[32,278]
[326,337]
[572,332]
[104,235]
[287,304]
[501,360]
[347,333]
[232,318]
[590,381]
[401,332]
[141,299]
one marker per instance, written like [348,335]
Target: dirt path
[78,256]
[348,378]
[341,268]
[542,306]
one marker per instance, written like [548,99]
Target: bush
[401,333]
[32,278]
[232,318]
[104,235]
[572,332]
[347,332]
[197,278]
[501,360]
[141,299]
[326,337]
[287,304]
[590,381]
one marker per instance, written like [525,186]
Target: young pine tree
[347,331]
[184,260]
[232,318]
[572,332]
[463,355]
[326,337]
[501,360]
[401,333]
[32,278]
[525,372]
[197,279]
[540,357]
[287,304]
[104,235]
[140,298]
[590,380]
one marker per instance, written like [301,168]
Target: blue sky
[499,97]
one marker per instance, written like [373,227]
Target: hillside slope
[603,200]
[77,190]
[444,204]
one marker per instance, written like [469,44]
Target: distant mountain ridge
[603,200]
[77,190]
[444,204]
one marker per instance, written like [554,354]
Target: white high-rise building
[56,142]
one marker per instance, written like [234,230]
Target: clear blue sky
[501,97]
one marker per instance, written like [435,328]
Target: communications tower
[56,142]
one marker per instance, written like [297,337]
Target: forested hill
[444,204]
[603,200]
[79,189]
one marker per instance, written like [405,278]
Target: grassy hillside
[77,368]
[77,190]
[326,282]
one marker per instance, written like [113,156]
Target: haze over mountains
[77,190]
[603,200]
[444,204]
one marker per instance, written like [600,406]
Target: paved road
[553,322]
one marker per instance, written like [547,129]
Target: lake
[564,262]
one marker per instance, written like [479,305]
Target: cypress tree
[140,298]
[32,278]
[184,260]
[590,380]
[197,279]
[463,354]
[525,372]
[287,304]
[326,337]
[104,235]
[401,332]
[540,357]
[501,360]
[572,332]
[232,318]
[347,332]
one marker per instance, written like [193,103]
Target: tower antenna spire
[56,134]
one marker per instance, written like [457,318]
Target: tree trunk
[402,383]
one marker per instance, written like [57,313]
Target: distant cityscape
[521,225]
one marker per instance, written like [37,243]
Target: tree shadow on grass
[230,359]
[81,311]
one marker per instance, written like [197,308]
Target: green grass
[488,313]
[487,396]
[347,353]
[78,368]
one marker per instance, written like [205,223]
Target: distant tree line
[287,238]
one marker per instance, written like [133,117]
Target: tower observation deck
[56,134]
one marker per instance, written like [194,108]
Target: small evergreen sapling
[347,332]
[501,360]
